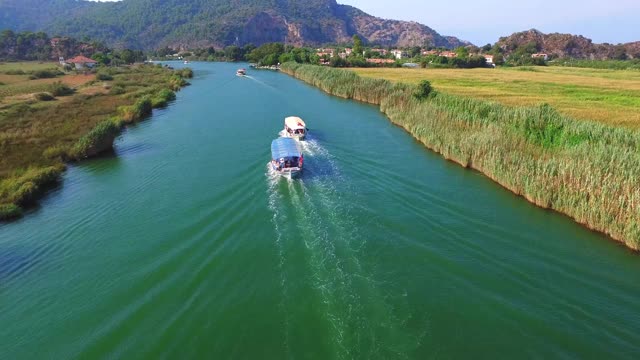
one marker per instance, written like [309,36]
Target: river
[181,244]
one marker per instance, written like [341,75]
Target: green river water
[182,245]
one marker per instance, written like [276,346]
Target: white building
[540,56]
[398,54]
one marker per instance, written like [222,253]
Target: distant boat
[186,61]
[241,72]
[295,128]
[286,158]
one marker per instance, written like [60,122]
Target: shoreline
[34,183]
[500,161]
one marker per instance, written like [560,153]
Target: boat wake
[313,220]
[261,82]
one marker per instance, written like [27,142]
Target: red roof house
[81,62]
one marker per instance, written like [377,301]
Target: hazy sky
[484,21]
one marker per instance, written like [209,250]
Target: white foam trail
[261,82]
[275,199]
[312,147]
[322,221]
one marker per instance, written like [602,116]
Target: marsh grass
[584,169]
[36,138]
[24,187]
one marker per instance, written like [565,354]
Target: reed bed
[588,171]
[37,138]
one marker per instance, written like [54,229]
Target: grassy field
[607,96]
[41,127]
[15,81]
[586,170]
[27,66]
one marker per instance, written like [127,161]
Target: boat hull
[289,173]
[294,136]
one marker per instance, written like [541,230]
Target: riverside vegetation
[41,131]
[585,170]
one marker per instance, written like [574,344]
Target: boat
[295,128]
[186,62]
[286,158]
[241,72]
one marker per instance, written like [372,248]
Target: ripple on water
[324,222]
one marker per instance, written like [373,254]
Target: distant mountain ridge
[568,45]
[147,24]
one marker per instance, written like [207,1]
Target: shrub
[143,107]
[186,73]
[99,139]
[423,90]
[103,76]
[25,188]
[162,98]
[15,72]
[176,82]
[56,152]
[43,96]
[9,211]
[44,74]
[117,90]
[60,89]
[137,111]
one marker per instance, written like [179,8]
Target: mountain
[567,45]
[146,24]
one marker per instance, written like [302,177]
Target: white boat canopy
[295,123]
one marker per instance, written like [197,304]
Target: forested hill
[566,45]
[146,24]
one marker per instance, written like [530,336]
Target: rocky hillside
[39,46]
[146,24]
[567,45]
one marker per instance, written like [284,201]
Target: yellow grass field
[15,87]
[608,96]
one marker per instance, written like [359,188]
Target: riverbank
[40,132]
[585,170]
[258,67]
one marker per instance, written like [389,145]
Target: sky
[484,21]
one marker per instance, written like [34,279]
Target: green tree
[127,56]
[271,50]
[462,52]
[357,45]
[233,53]
[270,60]
[314,59]
[498,59]
[414,51]
[101,58]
